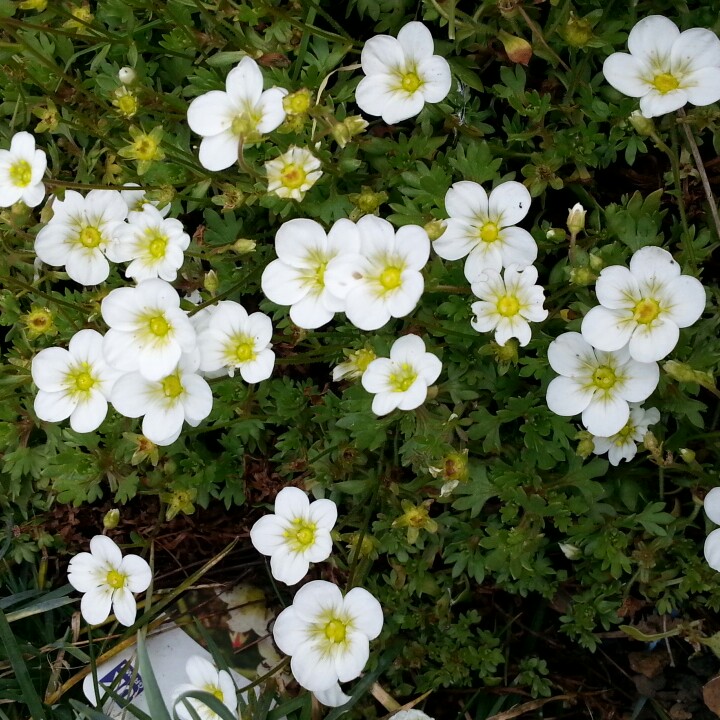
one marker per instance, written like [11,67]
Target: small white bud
[571,552]
[576,219]
[127,75]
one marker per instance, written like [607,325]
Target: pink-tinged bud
[518,50]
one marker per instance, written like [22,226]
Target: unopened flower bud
[297,103]
[111,519]
[435,229]
[507,353]
[596,262]
[556,234]
[571,552]
[576,219]
[518,49]
[586,446]
[127,75]
[243,246]
[643,126]
[687,455]
[582,276]
[343,132]
[684,373]
[577,31]
[211,282]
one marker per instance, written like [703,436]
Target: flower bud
[243,246]
[643,126]
[687,455]
[556,234]
[596,262]
[577,31]
[576,219]
[435,229]
[127,75]
[39,321]
[111,519]
[582,276]
[571,552]
[518,49]
[684,373]
[343,132]
[297,103]
[211,282]
[367,201]
[586,446]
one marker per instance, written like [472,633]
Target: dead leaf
[711,694]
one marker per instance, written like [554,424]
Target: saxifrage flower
[21,171]
[401,74]
[597,384]
[80,233]
[402,380]
[293,173]
[712,543]
[666,68]
[508,304]
[242,113]
[484,228]
[644,306]
[328,635]
[74,383]
[623,445]
[108,580]
[297,534]
[203,675]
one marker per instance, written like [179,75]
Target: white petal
[652,38]
[198,400]
[403,300]
[408,349]
[244,83]
[85,572]
[87,268]
[565,396]
[607,329]
[509,203]
[413,245]
[641,379]
[687,300]
[219,152]
[137,571]
[324,514]
[365,309]
[617,288]
[366,612]
[702,87]
[381,53]
[402,106]
[712,505]
[54,406]
[333,697]
[457,240]
[414,396]
[310,312]
[86,346]
[467,201]
[271,109]
[282,284]
[291,503]
[626,74]
[569,354]
[33,195]
[416,42]
[695,49]
[124,606]
[259,369]
[105,549]
[288,566]
[210,114]
[315,599]
[375,379]
[653,341]
[436,78]
[321,549]
[163,426]
[385,402]
[131,394]
[89,413]
[49,369]
[350,663]
[654,103]
[517,247]
[652,265]
[201,672]
[712,550]
[289,632]
[606,414]
[268,534]
[314,670]
[95,605]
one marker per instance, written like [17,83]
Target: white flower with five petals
[484,228]
[148,330]
[644,306]
[293,173]
[204,676]
[508,304]
[21,171]
[242,113]
[401,74]
[298,277]
[108,580]
[297,534]
[74,383]
[81,232]
[597,384]
[233,339]
[402,380]
[623,445]
[328,635]
[384,280]
[666,68]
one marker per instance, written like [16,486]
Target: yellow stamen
[293,176]
[159,326]
[390,278]
[604,377]
[172,387]
[665,83]
[90,237]
[301,534]
[508,306]
[115,579]
[489,232]
[21,173]
[335,631]
[410,82]
[403,379]
[646,311]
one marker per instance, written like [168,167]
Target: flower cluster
[613,362]
[327,635]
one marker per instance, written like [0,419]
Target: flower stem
[701,169]
[50,298]
[675,164]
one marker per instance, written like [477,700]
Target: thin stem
[701,169]
[538,33]
[675,164]
[50,298]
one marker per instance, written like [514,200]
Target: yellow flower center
[489,232]
[80,380]
[244,124]
[604,377]
[403,378]
[646,311]
[157,244]
[298,102]
[172,387]
[115,579]
[665,83]
[158,325]
[145,148]
[410,82]
[127,104]
[90,237]
[292,176]
[21,173]
[245,351]
[301,535]
[508,305]
[335,631]
[625,434]
[390,278]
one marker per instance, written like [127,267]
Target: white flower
[402,380]
[135,200]
[203,675]
[21,171]
[80,232]
[293,173]
[148,330]
[483,228]
[332,697]
[242,113]
[107,580]
[712,549]
[645,306]
[298,277]
[154,245]
[712,505]
[165,403]
[74,383]
[507,304]
[385,279]
[328,636]
[666,68]
[410,715]
[356,364]
[623,445]
[597,384]
[233,339]
[297,534]
[401,74]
